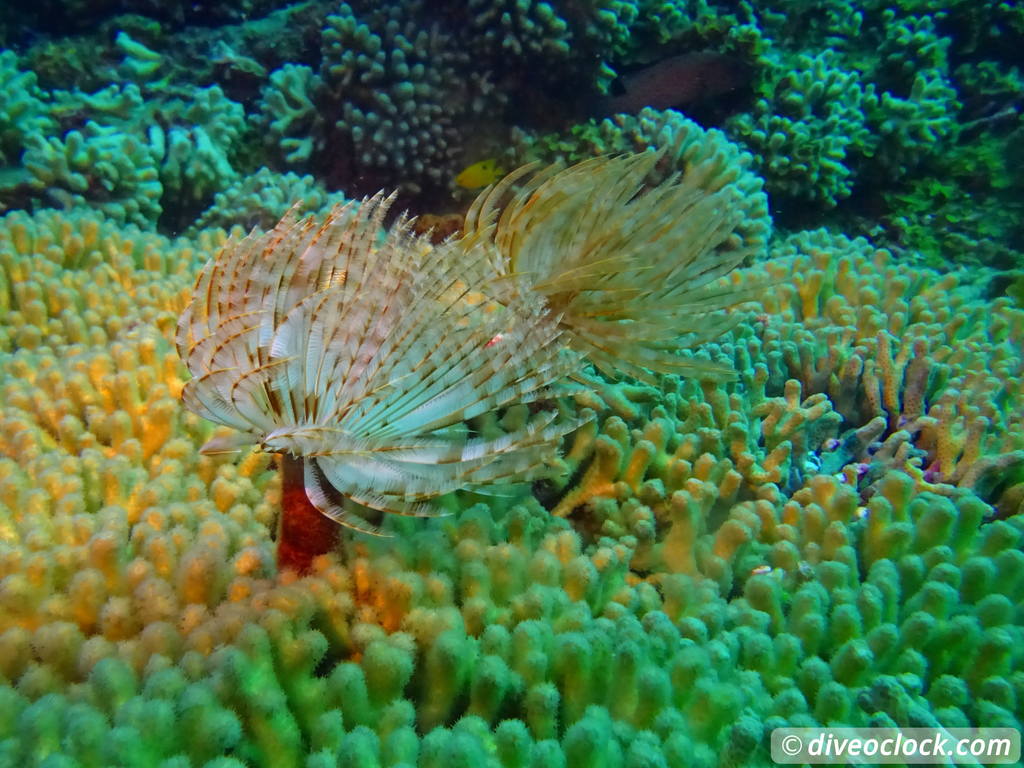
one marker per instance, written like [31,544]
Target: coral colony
[509,384]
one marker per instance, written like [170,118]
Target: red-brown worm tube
[304,533]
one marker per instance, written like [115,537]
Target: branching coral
[195,152]
[810,118]
[936,366]
[678,619]
[262,198]
[396,95]
[23,111]
[141,149]
[862,371]
[288,108]
[100,163]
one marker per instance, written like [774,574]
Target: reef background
[835,538]
[900,121]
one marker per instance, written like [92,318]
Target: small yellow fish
[480,174]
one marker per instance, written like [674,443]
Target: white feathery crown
[360,349]
[630,270]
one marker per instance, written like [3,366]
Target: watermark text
[909,746]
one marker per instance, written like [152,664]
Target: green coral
[139,154]
[196,152]
[289,109]
[696,25]
[261,199]
[846,102]
[521,29]
[551,658]
[826,124]
[396,96]
[23,110]
[555,42]
[970,210]
[114,171]
[704,576]
[807,129]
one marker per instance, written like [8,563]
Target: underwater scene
[510,383]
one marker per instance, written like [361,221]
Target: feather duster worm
[357,354]
[629,270]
